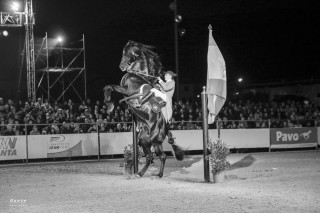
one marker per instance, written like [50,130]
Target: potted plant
[218,159]
[127,162]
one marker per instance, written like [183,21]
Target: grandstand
[53,118]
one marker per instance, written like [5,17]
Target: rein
[143,76]
[140,73]
[131,97]
[137,94]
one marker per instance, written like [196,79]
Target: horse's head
[130,54]
[140,58]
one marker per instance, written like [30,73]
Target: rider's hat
[170,73]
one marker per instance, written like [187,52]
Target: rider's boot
[145,98]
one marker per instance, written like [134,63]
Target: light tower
[15,19]
[177,19]
[29,22]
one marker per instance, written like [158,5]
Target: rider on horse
[143,67]
[166,92]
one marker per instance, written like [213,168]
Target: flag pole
[214,96]
[135,148]
[205,135]
[218,127]
[216,81]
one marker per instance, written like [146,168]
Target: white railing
[97,144]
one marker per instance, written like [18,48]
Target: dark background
[261,40]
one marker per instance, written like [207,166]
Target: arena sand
[256,182]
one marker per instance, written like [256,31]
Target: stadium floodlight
[60,39]
[15,6]
[178,18]
[182,32]
[5,33]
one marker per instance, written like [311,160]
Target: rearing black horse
[143,66]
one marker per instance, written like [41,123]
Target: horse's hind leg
[149,158]
[159,150]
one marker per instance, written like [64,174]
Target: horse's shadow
[244,162]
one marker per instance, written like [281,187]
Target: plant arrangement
[218,156]
[128,156]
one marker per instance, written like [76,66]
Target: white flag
[216,79]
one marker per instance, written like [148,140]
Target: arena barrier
[58,145]
[294,137]
[318,134]
[13,148]
[76,145]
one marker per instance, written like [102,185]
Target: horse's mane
[149,58]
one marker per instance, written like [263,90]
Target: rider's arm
[167,86]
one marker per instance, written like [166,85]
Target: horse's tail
[178,152]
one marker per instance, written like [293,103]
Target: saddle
[147,96]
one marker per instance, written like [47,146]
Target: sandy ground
[256,182]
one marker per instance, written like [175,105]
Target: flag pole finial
[204,89]
[210,27]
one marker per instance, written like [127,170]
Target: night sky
[261,40]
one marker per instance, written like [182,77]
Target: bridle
[136,56]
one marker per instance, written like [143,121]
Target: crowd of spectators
[88,117]
[272,114]
[249,114]
[65,118]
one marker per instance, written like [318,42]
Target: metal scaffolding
[15,19]
[59,68]
[30,51]
[11,19]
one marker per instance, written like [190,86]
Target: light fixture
[240,79]
[178,18]
[182,32]
[60,39]
[15,6]
[5,33]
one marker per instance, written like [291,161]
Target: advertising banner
[293,137]
[63,146]
[12,147]
[68,145]
[72,145]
